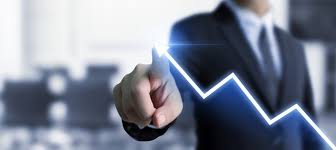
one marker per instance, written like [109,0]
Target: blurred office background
[59,60]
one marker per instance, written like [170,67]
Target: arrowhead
[161,48]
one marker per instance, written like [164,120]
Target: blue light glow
[162,50]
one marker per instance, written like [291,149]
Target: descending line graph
[163,50]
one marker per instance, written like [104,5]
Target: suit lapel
[290,70]
[233,34]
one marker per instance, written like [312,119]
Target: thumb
[160,64]
[168,112]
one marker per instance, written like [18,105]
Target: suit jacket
[210,46]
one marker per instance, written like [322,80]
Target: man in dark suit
[239,36]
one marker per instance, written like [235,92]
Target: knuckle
[142,114]
[117,102]
[115,91]
[124,79]
[138,88]
[138,67]
[141,68]
[146,115]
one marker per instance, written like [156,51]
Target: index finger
[160,64]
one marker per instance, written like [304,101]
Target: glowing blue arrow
[163,50]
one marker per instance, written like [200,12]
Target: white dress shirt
[251,24]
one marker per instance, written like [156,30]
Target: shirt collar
[248,18]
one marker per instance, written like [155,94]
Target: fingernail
[161,120]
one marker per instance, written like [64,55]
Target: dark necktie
[269,71]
